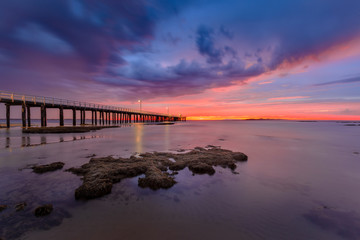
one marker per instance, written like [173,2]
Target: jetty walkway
[100,114]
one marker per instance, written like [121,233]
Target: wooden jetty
[100,114]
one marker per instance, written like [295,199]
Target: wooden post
[45,116]
[74,117]
[7,115]
[42,115]
[28,116]
[92,117]
[23,115]
[84,116]
[61,110]
[95,115]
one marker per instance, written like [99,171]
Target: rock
[2,207]
[99,174]
[238,156]
[93,189]
[155,179]
[48,167]
[201,168]
[20,206]
[43,210]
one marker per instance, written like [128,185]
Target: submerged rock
[201,168]
[20,206]
[99,174]
[2,207]
[155,179]
[343,223]
[43,210]
[48,167]
[93,188]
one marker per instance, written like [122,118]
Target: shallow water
[298,175]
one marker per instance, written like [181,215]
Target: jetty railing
[71,103]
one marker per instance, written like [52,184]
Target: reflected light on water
[139,137]
[166,137]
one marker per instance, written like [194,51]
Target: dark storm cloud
[183,78]
[91,29]
[205,44]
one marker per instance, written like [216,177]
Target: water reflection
[7,144]
[167,136]
[43,140]
[31,141]
[25,141]
[139,131]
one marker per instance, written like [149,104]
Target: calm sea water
[301,181]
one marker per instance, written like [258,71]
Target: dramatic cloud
[163,48]
[205,44]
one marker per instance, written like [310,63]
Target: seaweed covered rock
[48,167]
[43,210]
[93,189]
[201,168]
[99,174]
[20,206]
[2,207]
[155,179]
[239,156]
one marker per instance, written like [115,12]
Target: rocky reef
[43,210]
[101,173]
[48,167]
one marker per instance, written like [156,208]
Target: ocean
[301,181]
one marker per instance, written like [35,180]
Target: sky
[207,60]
